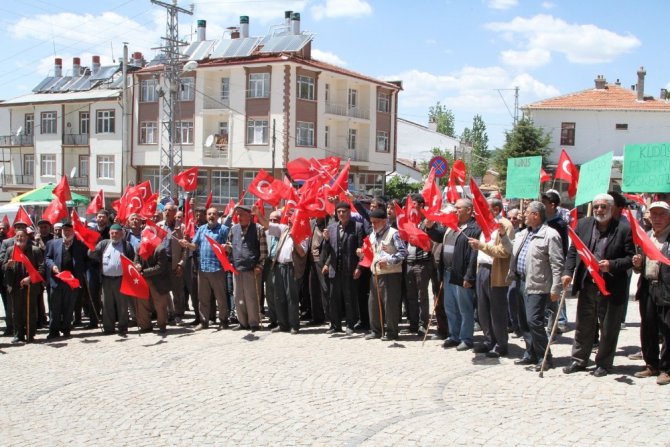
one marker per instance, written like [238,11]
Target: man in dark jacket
[66,254]
[611,242]
[156,271]
[459,264]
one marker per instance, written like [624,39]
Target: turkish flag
[368,253]
[68,279]
[483,215]
[300,230]
[636,198]
[401,220]
[87,235]
[411,213]
[208,202]
[290,203]
[642,240]
[62,190]
[97,203]
[573,218]
[452,192]
[149,207]
[302,169]
[10,228]
[229,208]
[416,237]
[431,193]
[144,190]
[589,261]
[567,171]
[459,171]
[188,179]
[221,256]
[131,202]
[544,177]
[341,182]
[152,237]
[132,282]
[447,219]
[19,256]
[22,217]
[313,198]
[265,187]
[189,228]
[55,211]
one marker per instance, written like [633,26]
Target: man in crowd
[536,264]
[610,241]
[176,256]
[156,271]
[319,285]
[552,202]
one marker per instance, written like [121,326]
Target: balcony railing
[212,103]
[218,150]
[19,180]
[79,182]
[16,140]
[76,139]
[360,154]
[345,110]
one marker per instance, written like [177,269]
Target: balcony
[212,103]
[79,182]
[16,140]
[219,150]
[18,180]
[345,110]
[75,139]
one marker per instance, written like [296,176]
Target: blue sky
[467,54]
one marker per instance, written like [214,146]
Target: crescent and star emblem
[264,184]
[564,166]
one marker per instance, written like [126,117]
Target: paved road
[231,388]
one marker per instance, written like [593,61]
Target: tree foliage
[524,140]
[479,140]
[399,186]
[443,118]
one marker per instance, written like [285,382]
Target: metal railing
[79,182]
[76,139]
[15,179]
[212,103]
[16,140]
[345,110]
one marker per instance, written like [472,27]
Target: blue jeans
[460,309]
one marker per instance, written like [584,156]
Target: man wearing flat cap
[611,242]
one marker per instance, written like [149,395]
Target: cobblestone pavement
[234,388]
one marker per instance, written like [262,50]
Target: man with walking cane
[389,251]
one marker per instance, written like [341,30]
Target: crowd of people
[357,272]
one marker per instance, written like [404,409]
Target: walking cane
[379,299]
[432,315]
[553,331]
[90,298]
[28,312]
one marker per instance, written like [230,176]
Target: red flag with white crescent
[132,282]
[431,193]
[567,171]
[97,203]
[55,211]
[149,206]
[87,235]
[221,256]
[19,256]
[589,261]
[62,190]
[301,229]
[69,279]
[267,188]
[643,241]
[187,179]
[152,237]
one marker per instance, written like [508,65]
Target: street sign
[440,164]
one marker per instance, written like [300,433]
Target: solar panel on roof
[105,72]
[60,82]
[81,84]
[46,81]
[235,47]
[220,48]
[288,43]
[201,51]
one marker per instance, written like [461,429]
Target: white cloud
[502,4]
[224,13]
[341,8]
[533,58]
[548,5]
[583,44]
[328,57]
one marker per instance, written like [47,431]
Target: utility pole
[126,162]
[171,153]
[516,105]
[274,143]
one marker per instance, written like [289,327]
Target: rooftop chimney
[601,82]
[244,27]
[202,27]
[295,23]
[58,67]
[287,19]
[137,59]
[664,94]
[76,66]
[618,82]
[640,84]
[95,64]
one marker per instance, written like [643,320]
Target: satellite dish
[190,66]
[73,172]
[19,131]
[2,169]
[209,141]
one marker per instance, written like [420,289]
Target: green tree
[479,140]
[524,140]
[444,118]
[436,151]
[399,186]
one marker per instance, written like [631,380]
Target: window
[371,183]
[28,164]
[29,123]
[184,134]
[148,133]
[48,165]
[383,102]
[327,93]
[621,126]
[148,90]
[382,141]
[225,90]
[48,122]
[351,141]
[259,85]
[223,128]
[326,134]
[353,98]
[84,121]
[305,87]
[567,134]
[247,178]
[305,134]
[154,177]
[187,89]
[83,166]
[104,121]
[225,186]
[257,131]
[105,167]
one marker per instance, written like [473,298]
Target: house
[407,168]
[415,142]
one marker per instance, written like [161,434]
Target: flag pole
[553,331]
[28,313]
[432,315]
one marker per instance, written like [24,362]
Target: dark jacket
[54,256]
[619,251]
[464,262]
[351,241]
[101,246]
[15,273]
[658,290]
[156,269]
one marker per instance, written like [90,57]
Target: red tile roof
[613,97]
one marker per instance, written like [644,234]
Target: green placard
[523,177]
[594,178]
[646,168]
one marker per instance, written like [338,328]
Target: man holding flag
[611,242]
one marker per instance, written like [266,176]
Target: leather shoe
[573,368]
[372,336]
[524,361]
[276,329]
[496,354]
[649,371]
[600,372]
[481,349]
[449,343]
